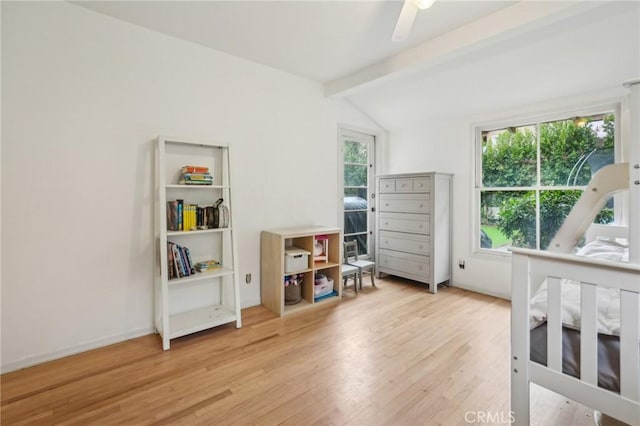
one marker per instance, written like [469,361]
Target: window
[529,177]
[358,183]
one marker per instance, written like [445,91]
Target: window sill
[494,255]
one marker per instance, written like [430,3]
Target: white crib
[531,267]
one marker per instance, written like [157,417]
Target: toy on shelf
[321,248]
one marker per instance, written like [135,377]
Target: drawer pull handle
[420,226]
[386,223]
[420,246]
[386,204]
[421,205]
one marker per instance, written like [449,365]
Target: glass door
[358,155]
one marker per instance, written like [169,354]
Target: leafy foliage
[355,166]
[567,149]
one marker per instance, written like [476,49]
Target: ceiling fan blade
[405,20]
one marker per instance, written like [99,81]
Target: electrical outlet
[461,263]
[247,278]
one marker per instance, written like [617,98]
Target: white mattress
[608,318]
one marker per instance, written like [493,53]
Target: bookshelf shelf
[199,319]
[196,187]
[200,276]
[199,231]
[179,304]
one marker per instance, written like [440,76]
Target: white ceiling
[462,57]
[319,40]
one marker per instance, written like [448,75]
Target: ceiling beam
[522,17]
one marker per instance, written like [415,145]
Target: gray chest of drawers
[413,226]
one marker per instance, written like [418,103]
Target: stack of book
[190,217]
[208,265]
[179,261]
[195,175]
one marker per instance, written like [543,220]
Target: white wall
[83,96]
[580,62]
[446,145]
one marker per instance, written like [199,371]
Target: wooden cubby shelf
[273,272]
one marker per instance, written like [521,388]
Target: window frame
[616,107]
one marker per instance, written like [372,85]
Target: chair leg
[373,281]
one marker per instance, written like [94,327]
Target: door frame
[344,129]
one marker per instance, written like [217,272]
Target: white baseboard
[481,290]
[32,360]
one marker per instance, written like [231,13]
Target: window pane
[355,193]
[354,222]
[554,208]
[362,242]
[355,152]
[508,219]
[571,151]
[355,175]
[509,157]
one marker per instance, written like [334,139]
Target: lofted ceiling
[461,58]
[320,40]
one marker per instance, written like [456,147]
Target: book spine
[176,261]
[185,262]
[190,261]
[169,261]
[180,215]
[194,224]
[195,169]
[172,215]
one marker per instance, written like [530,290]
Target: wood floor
[394,354]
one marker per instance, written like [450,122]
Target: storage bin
[293,289]
[295,259]
[322,286]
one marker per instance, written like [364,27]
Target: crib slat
[588,334]
[554,324]
[629,350]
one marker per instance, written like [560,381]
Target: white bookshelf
[202,300]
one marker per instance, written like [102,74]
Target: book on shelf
[195,182]
[189,261]
[170,261]
[197,176]
[172,215]
[181,265]
[207,265]
[180,214]
[194,169]
[177,264]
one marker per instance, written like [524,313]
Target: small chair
[351,258]
[349,271]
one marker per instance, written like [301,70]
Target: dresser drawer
[421,184]
[410,203]
[387,185]
[404,185]
[410,243]
[404,222]
[405,264]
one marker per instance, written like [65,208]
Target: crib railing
[530,266]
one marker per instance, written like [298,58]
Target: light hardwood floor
[394,354]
